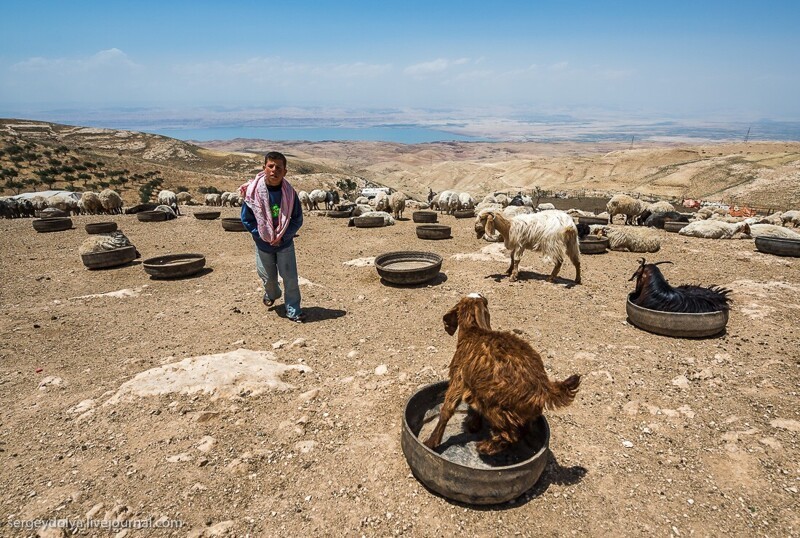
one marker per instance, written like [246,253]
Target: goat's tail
[562,393]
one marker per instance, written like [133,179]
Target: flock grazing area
[125,398]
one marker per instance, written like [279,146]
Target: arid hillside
[36,155]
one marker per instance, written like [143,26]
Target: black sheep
[583,230]
[654,292]
[657,220]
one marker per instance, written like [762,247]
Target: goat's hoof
[512,278]
[430,443]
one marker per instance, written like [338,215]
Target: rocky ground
[666,437]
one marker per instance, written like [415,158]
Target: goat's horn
[659,263]
[642,261]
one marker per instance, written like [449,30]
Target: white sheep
[112,203]
[440,201]
[184,198]
[170,199]
[791,216]
[542,207]
[622,204]
[397,203]
[660,207]
[381,201]
[68,204]
[317,196]
[715,229]
[225,198]
[387,218]
[553,233]
[214,199]
[775,218]
[502,199]
[168,210]
[362,200]
[305,200]
[90,204]
[772,230]
[465,201]
[630,240]
[360,209]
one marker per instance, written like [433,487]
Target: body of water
[403,135]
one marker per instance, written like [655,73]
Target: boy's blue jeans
[268,265]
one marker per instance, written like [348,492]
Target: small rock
[352,354]
[786,424]
[309,395]
[50,381]
[206,444]
[627,444]
[381,370]
[205,416]
[279,344]
[179,458]
[681,382]
[299,342]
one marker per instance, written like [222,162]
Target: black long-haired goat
[654,292]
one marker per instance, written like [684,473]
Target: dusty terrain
[666,437]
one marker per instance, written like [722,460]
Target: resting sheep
[791,217]
[387,218]
[630,240]
[715,229]
[552,233]
[499,376]
[104,242]
[771,230]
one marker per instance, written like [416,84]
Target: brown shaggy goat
[499,376]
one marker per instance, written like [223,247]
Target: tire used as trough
[174,265]
[778,246]
[674,226]
[455,469]
[677,324]
[52,224]
[109,258]
[233,224]
[464,213]
[408,267]
[369,222]
[101,227]
[429,217]
[593,244]
[433,231]
[338,214]
[589,220]
[151,216]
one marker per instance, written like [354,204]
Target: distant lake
[400,134]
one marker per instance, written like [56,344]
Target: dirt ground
[666,437]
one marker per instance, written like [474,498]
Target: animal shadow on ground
[530,275]
[439,279]
[312,313]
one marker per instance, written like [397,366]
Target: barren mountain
[758,174]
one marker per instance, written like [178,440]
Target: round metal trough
[369,222]
[174,265]
[233,224]
[674,226]
[592,220]
[455,469]
[52,224]
[207,215]
[109,258]
[429,217]
[408,267]
[677,324]
[592,244]
[151,216]
[433,231]
[778,246]
[101,227]
[464,213]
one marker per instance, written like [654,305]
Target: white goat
[553,233]
[630,240]
[716,229]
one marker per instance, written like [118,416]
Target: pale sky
[704,60]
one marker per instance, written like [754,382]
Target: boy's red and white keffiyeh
[256,197]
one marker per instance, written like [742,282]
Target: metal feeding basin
[233,224]
[455,469]
[677,324]
[778,246]
[151,216]
[408,267]
[174,265]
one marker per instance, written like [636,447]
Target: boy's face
[275,171]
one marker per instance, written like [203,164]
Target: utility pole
[747,136]
[631,142]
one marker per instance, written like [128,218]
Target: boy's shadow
[312,313]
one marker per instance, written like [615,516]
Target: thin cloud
[104,59]
[427,68]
